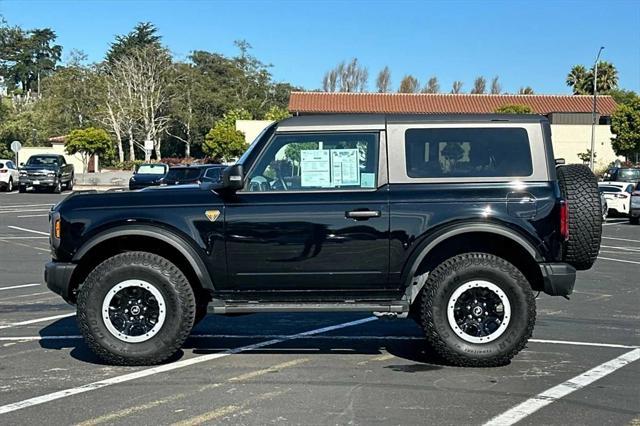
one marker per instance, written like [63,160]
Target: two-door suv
[456,221]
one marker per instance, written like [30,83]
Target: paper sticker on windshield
[345,168]
[315,168]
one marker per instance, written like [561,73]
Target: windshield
[42,161]
[183,174]
[610,188]
[152,169]
[629,174]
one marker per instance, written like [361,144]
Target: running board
[222,307]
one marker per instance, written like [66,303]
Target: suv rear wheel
[477,310]
[136,308]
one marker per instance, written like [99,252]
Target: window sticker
[367,180]
[345,168]
[315,168]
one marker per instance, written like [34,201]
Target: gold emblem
[212,215]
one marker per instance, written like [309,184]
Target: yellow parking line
[383,357]
[272,369]
[227,410]
[109,418]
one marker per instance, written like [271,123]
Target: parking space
[318,369]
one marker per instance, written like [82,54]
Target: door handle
[362,214]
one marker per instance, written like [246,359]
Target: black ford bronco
[456,221]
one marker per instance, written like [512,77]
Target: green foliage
[409,84]
[88,142]
[623,96]
[581,80]
[277,113]
[128,165]
[224,142]
[585,157]
[143,34]
[514,109]
[25,55]
[625,124]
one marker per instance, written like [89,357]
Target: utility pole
[594,114]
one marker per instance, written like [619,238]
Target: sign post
[16,146]
[148,149]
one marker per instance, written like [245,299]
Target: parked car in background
[46,171]
[622,174]
[148,174]
[605,206]
[197,173]
[634,212]
[9,175]
[618,195]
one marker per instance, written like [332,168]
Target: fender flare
[172,238]
[454,230]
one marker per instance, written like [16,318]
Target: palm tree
[607,77]
[576,79]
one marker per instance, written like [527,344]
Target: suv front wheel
[136,308]
[477,310]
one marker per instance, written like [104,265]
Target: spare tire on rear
[579,187]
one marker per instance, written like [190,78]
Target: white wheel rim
[121,334]
[470,286]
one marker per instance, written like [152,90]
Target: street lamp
[593,115]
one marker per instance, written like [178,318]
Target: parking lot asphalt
[581,367]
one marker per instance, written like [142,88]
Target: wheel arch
[486,237]
[142,238]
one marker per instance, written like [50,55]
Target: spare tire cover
[579,187]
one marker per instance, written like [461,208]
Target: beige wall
[55,148]
[251,128]
[568,140]
[571,139]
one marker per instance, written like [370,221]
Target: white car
[618,195]
[9,175]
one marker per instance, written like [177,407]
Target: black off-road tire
[166,278]
[579,187]
[440,286]
[69,184]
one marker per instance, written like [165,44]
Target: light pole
[594,114]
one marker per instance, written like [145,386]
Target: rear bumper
[559,278]
[57,275]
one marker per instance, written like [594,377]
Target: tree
[224,142]
[27,56]
[622,96]
[495,86]
[432,86]
[346,77]
[585,157]
[409,84]
[88,142]
[383,82]
[625,125]
[456,87]
[525,91]
[144,34]
[479,86]
[581,80]
[514,109]
[182,107]
[277,113]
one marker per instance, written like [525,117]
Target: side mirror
[233,178]
[21,164]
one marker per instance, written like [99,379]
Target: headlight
[51,173]
[23,174]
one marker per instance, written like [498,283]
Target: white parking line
[25,205]
[37,320]
[634,249]
[619,260]
[167,367]
[331,337]
[28,230]
[13,237]
[545,398]
[24,211]
[621,239]
[18,286]
[33,215]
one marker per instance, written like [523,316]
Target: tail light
[564,220]
[3,171]
[623,196]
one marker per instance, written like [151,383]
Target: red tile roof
[423,103]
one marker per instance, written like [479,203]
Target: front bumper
[559,278]
[47,181]
[57,275]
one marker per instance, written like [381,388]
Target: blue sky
[525,43]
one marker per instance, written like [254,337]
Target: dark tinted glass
[468,152]
[183,174]
[609,188]
[2,166]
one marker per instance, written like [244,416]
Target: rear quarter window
[467,152]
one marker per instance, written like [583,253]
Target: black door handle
[362,214]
